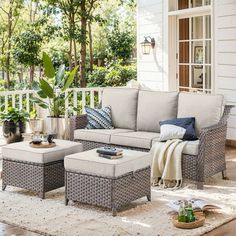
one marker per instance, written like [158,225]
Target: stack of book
[110,153]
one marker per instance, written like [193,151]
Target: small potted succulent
[14,122]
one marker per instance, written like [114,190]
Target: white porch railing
[74,97]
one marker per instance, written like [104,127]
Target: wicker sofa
[136,115]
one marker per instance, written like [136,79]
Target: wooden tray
[192,225]
[43,145]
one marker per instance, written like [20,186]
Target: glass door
[194,50]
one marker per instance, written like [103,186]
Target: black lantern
[147,45]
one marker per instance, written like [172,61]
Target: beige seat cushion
[90,162]
[206,108]
[153,107]
[23,152]
[97,135]
[123,102]
[134,139]
[191,148]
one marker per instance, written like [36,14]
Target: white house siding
[225,56]
[150,23]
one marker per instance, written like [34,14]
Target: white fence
[74,97]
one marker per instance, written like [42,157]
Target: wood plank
[226,46]
[227,9]
[227,34]
[226,83]
[226,22]
[226,58]
[226,71]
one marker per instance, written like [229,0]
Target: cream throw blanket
[166,163]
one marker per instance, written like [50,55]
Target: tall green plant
[51,91]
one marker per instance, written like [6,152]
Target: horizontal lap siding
[150,23]
[225,56]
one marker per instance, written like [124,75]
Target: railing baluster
[6,102]
[92,98]
[13,98]
[66,104]
[83,101]
[27,102]
[99,96]
[75,102]
[20,101]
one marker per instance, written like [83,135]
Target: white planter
[36,125]
[59,127]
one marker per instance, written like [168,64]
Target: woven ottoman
[37,169]
[108,183]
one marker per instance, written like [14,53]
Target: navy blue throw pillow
[179,128]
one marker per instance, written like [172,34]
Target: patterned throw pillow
[99,118]
[180,128]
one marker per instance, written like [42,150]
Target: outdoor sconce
[147,44]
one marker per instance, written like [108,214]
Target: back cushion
[206,108]
[123,102]
[155,106]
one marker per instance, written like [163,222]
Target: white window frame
[173,19]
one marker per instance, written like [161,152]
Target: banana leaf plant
[50,90]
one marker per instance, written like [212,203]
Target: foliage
[27,47]
[15,115]
[49,96]
[114,74]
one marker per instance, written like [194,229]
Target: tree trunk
[90,46]
[32,67]
[9,43]
[83,22]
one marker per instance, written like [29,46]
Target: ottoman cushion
[89,162]
[23,152]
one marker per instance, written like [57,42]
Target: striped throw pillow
[99,118]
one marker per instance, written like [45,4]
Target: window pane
[184,52]
[196,3]
[197,27]
[183,29]
[197,53]
[197,77]
[184,76]
[183,4]
[208,52]
[208,27]
[208,77]
[207,2]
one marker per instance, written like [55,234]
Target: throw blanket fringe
[166,169]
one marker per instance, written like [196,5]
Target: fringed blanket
[166,163]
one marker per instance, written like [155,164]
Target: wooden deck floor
[224,230]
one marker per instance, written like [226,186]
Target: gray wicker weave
[209,161]
[39,178]
[112,193]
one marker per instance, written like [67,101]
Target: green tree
[26,50]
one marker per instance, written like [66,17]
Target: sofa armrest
[211,157]
[77,122]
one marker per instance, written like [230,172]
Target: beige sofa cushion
[123,102]
[23,152]
[90,162]
[134,139]
[155,106]
[97,135]
[191,148]
[206,108]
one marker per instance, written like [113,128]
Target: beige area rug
[51,217]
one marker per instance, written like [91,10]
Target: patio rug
[51,217]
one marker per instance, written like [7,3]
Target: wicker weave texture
[108,192]
[39,178]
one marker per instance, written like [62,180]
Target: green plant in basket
[51,90]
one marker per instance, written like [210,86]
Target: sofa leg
[199,185]
[114,211]
[66,201]
[149,197]
[224,175]
[4,187]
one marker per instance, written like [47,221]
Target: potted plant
[36,124]
[51,96]
[14,121]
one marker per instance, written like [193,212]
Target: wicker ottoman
[37,169]
[108,183]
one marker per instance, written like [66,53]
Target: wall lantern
[147,44]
